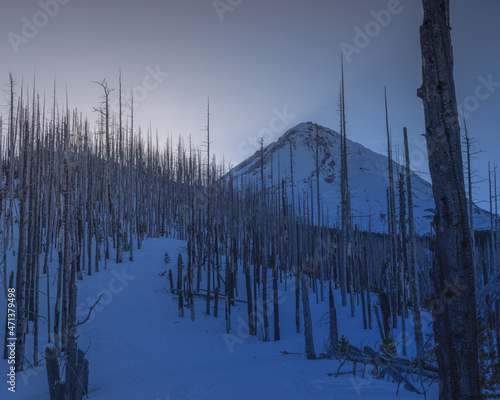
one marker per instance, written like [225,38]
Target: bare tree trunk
[248,284]
[67,243]
[308,330]
[190,274]
[119,233]
[497,324]
[131,171]
[456,326]
[368,282]
[21,324]
[318,198]
[228,283]
[90,212]
[393,282]
[9,228]
[276,309]
[468,144]
[56,387]
[344,195]
[263,252]
[492,230]
[108,204]
[57,307]
[297,267]
[179,285]
[334,334]
[412,265]
[403,278]
[264,295]
[209,214]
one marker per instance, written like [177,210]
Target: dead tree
[403,258]
[119,233]
[297,265]
[308,330]
[190,274]
[318,200]
[393,289]
[412,265]
[248,284]
[344,190]
[264,256]
[22,323]
[130,211]
[107,186]
[456,325]
[492,219]
[333,326]
[468,149]
[209,213]
[179,285]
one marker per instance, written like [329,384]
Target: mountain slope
[368,177]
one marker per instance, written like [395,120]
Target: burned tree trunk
[308,330]
[190,275]
[56,387]
[455,326]
[179,285]
[246,269]
[22,323]
[412,265]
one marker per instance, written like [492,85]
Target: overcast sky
[267,65]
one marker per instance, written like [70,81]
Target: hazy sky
[267,65]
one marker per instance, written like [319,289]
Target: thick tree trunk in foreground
[455,325]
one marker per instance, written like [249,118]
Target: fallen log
[204,296]
[394,367]
[390,369]
[408,368]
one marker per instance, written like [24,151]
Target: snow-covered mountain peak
[303,146]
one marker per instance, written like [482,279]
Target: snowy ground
[139,348]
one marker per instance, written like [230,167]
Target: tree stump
[56,387]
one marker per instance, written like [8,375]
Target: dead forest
[86,191]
